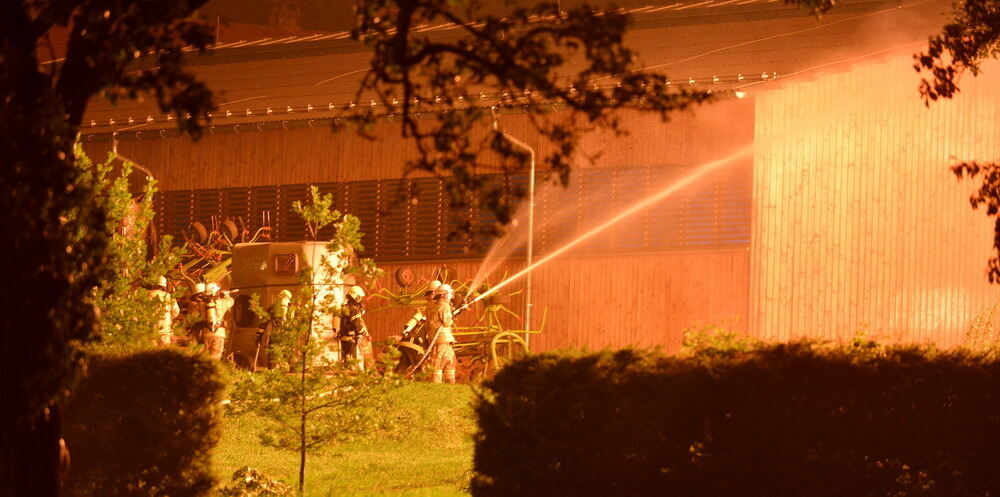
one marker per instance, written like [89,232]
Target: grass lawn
[428,452]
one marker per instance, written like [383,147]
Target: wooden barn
[838,214]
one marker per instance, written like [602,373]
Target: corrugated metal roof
[719,43]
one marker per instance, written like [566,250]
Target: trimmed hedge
[144,425]
[786,420]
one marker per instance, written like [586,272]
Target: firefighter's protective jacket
[169,310]
[354,322]
[440,322]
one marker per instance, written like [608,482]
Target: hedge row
[789,420]
[144,425]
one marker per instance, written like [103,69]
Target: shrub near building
[144,424]
[773,421]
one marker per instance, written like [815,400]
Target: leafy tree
[128,313]
[318,215]
[51,268]
[539,57]
[309,398]
[971,36]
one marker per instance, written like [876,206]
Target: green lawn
[428,452]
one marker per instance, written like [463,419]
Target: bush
[144,425]
[773,421]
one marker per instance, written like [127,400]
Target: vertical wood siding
[595,302]
[318,155]
[859,223]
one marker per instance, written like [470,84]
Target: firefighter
[218,305]
[277,315]
[439,323]
[354,336]
[169,310]
[198,306]
[414,341]
[280,309]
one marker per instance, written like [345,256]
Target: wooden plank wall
[318,155]
[859,223]
[593,302]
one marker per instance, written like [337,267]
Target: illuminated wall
[859,223]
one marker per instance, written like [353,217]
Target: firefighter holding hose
[439,324]
[414,337]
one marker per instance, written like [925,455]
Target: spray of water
[670,189]
[517,236]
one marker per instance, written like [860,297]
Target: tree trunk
[29,461]
[302,419]
[302,455]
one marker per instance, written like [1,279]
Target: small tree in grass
[310,399]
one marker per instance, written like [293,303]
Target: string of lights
[505,100]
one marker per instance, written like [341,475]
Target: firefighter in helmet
[168,311]
[354,337]
[276,318]
[218,303]
[414,340]
[198,307]
[439,324]
[280,310]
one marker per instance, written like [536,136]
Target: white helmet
[444,289]
[199,288]
[162,281]
[213,288]
[356,292]
[433,286]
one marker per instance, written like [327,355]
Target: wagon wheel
[506,347]
[230,231]
[475,368]
[197,232]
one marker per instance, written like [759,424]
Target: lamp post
[531,218]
